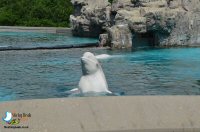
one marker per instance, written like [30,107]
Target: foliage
[111,1]
[135,1]
[35,12]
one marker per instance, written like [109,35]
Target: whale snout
[84,60]
[87,54]
[88,60]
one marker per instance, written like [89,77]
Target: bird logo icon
[8,117]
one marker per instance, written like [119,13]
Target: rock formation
[138,23]
[90,18]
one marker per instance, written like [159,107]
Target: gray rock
[120,37]
[90,18]
[145,22]
[173,4]
[103,40]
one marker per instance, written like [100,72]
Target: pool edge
[110,114]
[62,30]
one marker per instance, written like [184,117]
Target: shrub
[111,1]
[35,12]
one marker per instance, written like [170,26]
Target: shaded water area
[50,73]
[29,39]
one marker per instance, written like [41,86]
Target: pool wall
[11,35]
[36,29]
[109,114]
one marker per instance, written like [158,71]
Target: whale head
[89,63]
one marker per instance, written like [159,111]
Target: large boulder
[90,18]
[103,40]
[120,37]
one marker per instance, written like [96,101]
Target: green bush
[35,12]
[7,18]
[111,1]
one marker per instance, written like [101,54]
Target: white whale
[93,78]
[8,117]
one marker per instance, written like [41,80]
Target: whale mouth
[85,59]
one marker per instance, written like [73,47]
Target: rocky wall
[133,23]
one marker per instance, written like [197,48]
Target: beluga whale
[93,79]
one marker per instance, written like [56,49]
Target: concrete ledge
[84,45]
[109,114]
[35,29]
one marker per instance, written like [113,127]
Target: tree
[35,12]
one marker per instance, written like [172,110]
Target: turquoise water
[50,73]
[157,72]
[28,39]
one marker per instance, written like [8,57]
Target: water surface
[29,39]
[50,73]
